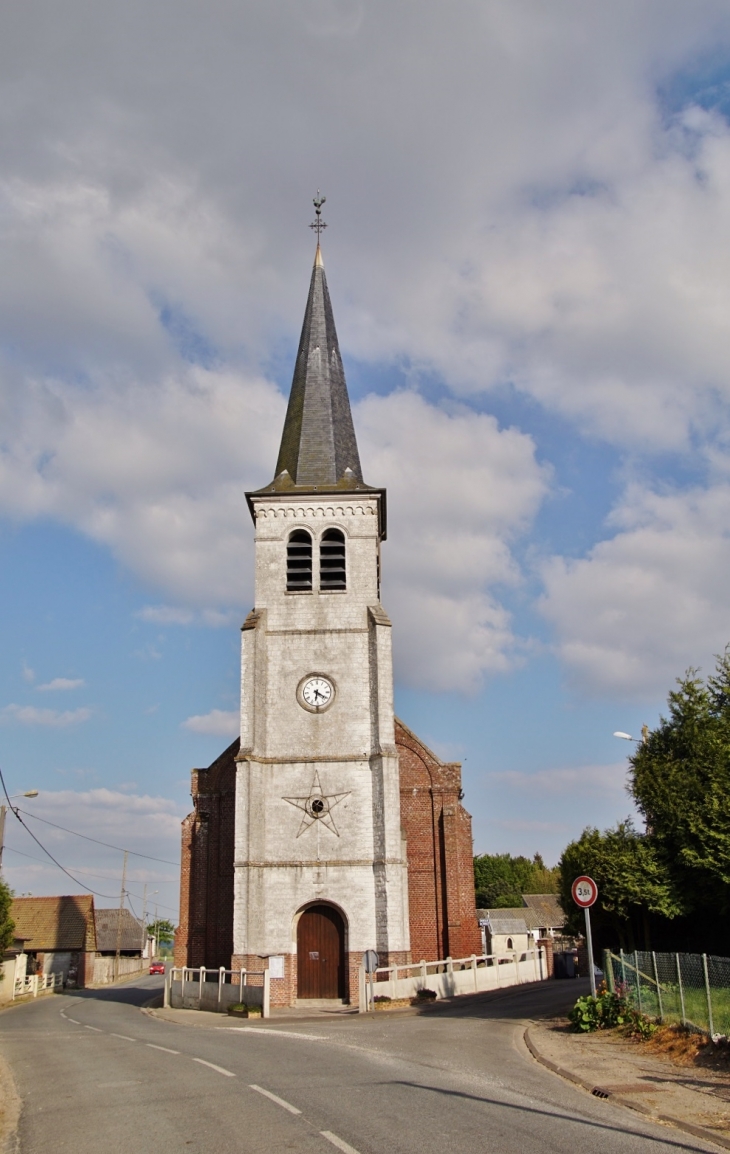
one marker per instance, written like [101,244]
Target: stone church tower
[312,833]
[320,865]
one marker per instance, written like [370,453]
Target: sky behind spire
[529,257]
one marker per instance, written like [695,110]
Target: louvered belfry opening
[332,572]
[299,561]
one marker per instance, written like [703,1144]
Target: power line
[118,848]
[40,843]
[89,873]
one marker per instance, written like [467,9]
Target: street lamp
[3,812]
[640,740]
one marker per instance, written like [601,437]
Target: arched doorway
[321,953]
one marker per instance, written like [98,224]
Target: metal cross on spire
[318,225]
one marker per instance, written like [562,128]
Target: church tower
[319,871]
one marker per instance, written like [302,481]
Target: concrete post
[266,1007]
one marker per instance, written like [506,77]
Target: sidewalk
[279,1015]
[688,1097]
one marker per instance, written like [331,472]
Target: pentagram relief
[317,806]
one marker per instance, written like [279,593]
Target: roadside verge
[611,1060]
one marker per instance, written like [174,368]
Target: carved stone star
[317,806]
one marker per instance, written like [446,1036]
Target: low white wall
[218,989]
[12,969]
[209,996]
[449,979]
[105,969]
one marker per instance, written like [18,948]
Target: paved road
[98,1075]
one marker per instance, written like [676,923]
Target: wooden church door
[320,954]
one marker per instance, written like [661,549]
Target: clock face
[317,692]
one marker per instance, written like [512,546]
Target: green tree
[162,929]
[680,781]
[7,925]
[500,879]
[632,878]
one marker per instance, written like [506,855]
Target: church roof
[318,445]
[318,449]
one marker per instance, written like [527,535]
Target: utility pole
[119,916]
[3,814]
[144,919]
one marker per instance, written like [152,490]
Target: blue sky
[527,256]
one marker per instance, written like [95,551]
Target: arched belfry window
[299,561]
[332,572]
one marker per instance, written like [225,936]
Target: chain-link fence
[693,989]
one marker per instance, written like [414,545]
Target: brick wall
[437,829]
[205,933]
[442,907]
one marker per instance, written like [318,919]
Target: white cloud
[460,491]
[165,615]
[588,270]
[649,602]
[55,718]
[28,673]
[218,721]
[178,615]
[566,781]
[143,824]
[62,683]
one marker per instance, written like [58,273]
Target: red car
[157,968]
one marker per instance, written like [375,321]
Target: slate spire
[318,446]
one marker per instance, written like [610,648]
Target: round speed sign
[584,891]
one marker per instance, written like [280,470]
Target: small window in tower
[332,573]
[509,943]
[299,561]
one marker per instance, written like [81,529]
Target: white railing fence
[451,977]
[35,984]
[198,988]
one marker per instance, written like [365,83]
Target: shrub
[604,1012]
[382,998]
[427,995]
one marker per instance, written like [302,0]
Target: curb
[621,1100]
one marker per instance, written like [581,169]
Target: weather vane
[318,225]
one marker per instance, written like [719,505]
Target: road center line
[165,1050]
[275,1098]
[338,1142]
[259,1033]
[96,1029]
[74,1021]
[124,1037]
[218,1069]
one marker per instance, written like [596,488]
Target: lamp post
[3,812]
[639,740]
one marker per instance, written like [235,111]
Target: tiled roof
[507,921]
[62,923]
[543,911]
[107,931]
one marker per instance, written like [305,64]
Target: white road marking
[275,1098]
[338,1142]
[124,1037]
[218,1069]
[74,1021]
[165,1050]
[256,1030]
[96,1029]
